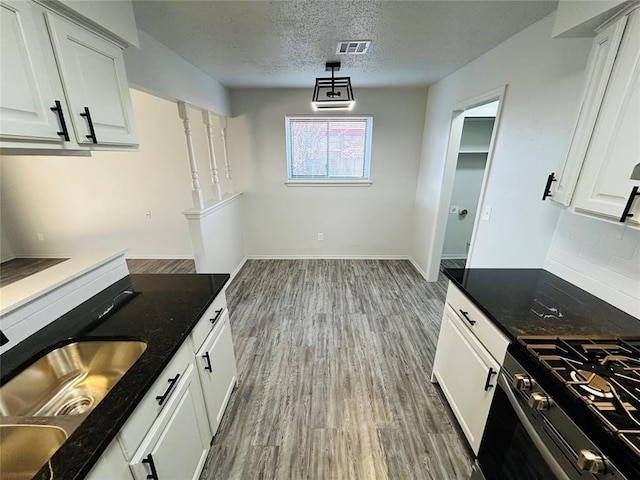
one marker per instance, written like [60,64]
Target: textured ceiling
[286,43]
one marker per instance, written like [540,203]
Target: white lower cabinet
[465,364]
[112,465]
[177,444]
[217,368]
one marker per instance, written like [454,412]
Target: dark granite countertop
[162,312]
[523,302]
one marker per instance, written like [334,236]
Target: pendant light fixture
[333,93]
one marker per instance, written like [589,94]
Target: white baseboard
[418,268]
[40,255]
[8,259]
[238,268]
[159,257]
[453,257]
[328,257]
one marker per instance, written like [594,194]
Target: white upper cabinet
[595,176]
[61,85]
[605,185]
[95,83]
[29,86]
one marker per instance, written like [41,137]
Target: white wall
[600,257]
[159,70]
[283,220]
[544,78]
[6,251]
[466,191]
[83,204]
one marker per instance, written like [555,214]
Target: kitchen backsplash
[600,257]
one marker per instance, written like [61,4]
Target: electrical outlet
[320,237]
[486,213]
[148,214]
[454,209]
[40,237]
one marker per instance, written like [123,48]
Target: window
[328,149]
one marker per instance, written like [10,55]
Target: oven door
[516,444]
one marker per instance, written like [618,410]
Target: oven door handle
[531,431]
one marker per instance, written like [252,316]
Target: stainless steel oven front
[527,439]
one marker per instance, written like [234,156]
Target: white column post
[196,193]
[227,165]
[207,119]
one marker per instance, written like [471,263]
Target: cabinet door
[27,90]
[605,185]
[94,80]
[601,60]
[462,368]
[111,465]
[177,444]
[217,367]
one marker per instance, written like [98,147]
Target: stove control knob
[522,381]
[591,462]
[539,401]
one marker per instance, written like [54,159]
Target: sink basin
[70,380]
[24,449]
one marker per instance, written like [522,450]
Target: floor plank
[334,358]
[20,268]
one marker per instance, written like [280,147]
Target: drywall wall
[217,236]
[466,191]
[544,79]
[82,204]
[6,251]
[355,220]
[600,257]
[115,16]
[580,18]
[157,69]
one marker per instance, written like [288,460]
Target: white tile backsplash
[600,257]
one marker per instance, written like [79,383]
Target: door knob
[463,213]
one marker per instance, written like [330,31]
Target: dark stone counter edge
[84,447]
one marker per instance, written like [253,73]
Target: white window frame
[330,181]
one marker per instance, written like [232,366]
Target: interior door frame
[451,161]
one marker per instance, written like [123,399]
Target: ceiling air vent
[353,47]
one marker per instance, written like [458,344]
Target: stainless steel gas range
[566,407]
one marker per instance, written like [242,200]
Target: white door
[27,91]
[95,83]
[176,447]
[462,368]
[217,367]
[605,185]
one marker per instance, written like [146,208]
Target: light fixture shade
[333,93]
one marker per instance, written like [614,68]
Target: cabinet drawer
[149,408]
[484,330]
[211,317]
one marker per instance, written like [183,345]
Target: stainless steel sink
[24,449]
[70,380]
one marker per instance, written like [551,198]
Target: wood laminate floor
[161,266]
[19,268]
[334,359]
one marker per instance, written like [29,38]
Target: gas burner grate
[603,373]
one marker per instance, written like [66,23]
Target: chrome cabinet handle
[87,115]
[172,383]
[218,313]
[625,214]
[466,316]
[64,133]
[152,466]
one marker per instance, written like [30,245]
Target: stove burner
[596,385]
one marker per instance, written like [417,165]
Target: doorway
[471,162]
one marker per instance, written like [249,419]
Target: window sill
[328,183]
